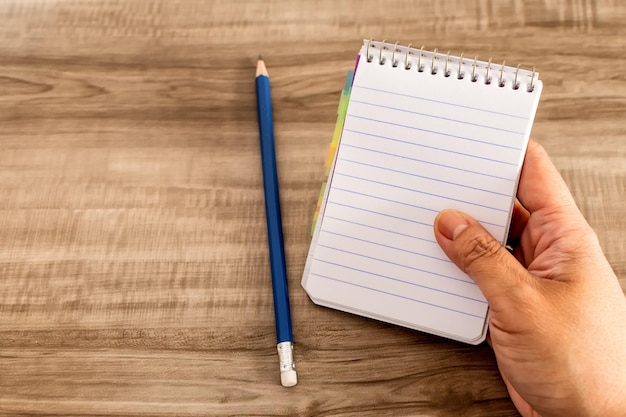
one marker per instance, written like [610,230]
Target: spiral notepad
[423,132]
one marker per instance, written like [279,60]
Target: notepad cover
[415,143]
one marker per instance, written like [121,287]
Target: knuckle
[479,249]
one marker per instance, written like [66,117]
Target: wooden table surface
[134,268]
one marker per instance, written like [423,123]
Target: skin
[558,314]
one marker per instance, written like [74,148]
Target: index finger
[540,184]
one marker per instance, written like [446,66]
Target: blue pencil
[282,315]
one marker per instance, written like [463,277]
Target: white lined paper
[414,144]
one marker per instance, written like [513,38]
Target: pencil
[282,315]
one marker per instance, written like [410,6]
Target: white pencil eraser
[288,378]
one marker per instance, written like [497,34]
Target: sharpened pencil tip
[260,67]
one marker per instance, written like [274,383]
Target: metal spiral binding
[414,60]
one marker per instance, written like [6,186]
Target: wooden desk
[134,269]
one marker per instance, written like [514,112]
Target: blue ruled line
[397,264]
[434,132]
[398,202]
[423,176]
[429,147]
[443,118]
[425,162]
[400,280]
[421,192]
[446,260]
[386,199]
[441,102]
[382,214]
[397,295]
[379,228]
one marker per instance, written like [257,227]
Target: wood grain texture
[133,257]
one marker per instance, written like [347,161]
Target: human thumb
[466,242]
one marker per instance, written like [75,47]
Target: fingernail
[450,224]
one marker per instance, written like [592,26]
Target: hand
[557,312]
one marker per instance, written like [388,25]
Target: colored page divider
[332,148]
